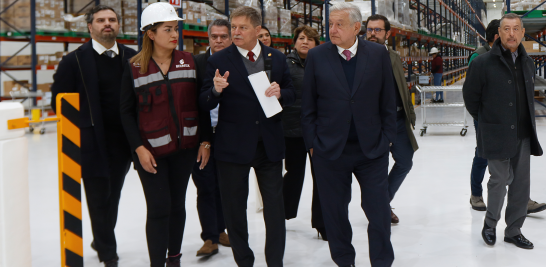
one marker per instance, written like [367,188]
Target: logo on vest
[182,65]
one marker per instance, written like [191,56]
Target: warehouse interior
[437,225]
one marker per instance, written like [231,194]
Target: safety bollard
[68,142]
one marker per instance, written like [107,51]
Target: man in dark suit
[349,123]
[209,205]
[499,94]
[245,137]
[94,71]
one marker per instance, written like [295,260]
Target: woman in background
[305,38]
[265,36]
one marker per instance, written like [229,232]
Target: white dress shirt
[101,49]
[256,50]
[352,50]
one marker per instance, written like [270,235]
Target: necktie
[250,56]
[347,54]
[110,53]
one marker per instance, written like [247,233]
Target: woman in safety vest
[161,119]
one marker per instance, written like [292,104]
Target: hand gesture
[273,90]
[220,82]
[146,159]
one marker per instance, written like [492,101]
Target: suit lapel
[360,65]
[237,60]
[337,68]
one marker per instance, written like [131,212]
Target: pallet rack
[464,15]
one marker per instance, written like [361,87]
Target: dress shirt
[514,54]
[101,49]
[352,49]
[257,50]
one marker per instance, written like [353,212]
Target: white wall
[494,12]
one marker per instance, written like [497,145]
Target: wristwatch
[207,146]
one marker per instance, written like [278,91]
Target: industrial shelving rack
[464,15]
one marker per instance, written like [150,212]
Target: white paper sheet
[260,83]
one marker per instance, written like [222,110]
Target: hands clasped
[220,83]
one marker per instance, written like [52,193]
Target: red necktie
[250,56]
[347,54]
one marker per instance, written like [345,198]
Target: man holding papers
[349,121]
[249,132]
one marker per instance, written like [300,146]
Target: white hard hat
[433,50]
[158,12]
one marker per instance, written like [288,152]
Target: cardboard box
[22,23]
[199,49]
[21,11]
[13,86]
[188,45]
[12,62]
[46,87]
[24,60]
[531,46]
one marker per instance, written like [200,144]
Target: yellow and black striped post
[70,173]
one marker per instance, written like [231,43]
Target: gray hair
[511,16]
[352,10]
[220,23]
[249,12]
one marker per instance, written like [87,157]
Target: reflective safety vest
[167,105]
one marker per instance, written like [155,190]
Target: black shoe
[93,246]
[173,261]
[489,234]
[440,101]
[111,263]
[520,241]
[322,232]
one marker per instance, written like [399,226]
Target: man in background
[209,205]
[379,30]
[94,71]
[480,164]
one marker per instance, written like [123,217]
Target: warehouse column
[14,195]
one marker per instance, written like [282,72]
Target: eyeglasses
[377,30]
[223,37]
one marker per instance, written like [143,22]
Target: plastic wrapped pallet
[385,8]
[221,4]
[285,23]
[403,12]
[130,17]
[211,13]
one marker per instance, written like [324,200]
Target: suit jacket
[241,119]
[402,85]
[77,73]
[327,105]
[204,115]
[489,94]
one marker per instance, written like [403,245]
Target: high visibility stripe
[72,205]
[72,243]
[154,77]
[179,74]
[70,172]
[71,168]
[71,132]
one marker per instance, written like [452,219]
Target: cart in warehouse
[423,90]
[35,112]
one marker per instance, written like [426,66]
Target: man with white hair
[349,123]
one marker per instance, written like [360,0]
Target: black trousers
[165,194]
[209,203]
[103,194]
[294,164]
[334,178]
[233,180]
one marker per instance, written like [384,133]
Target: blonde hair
[143,57]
